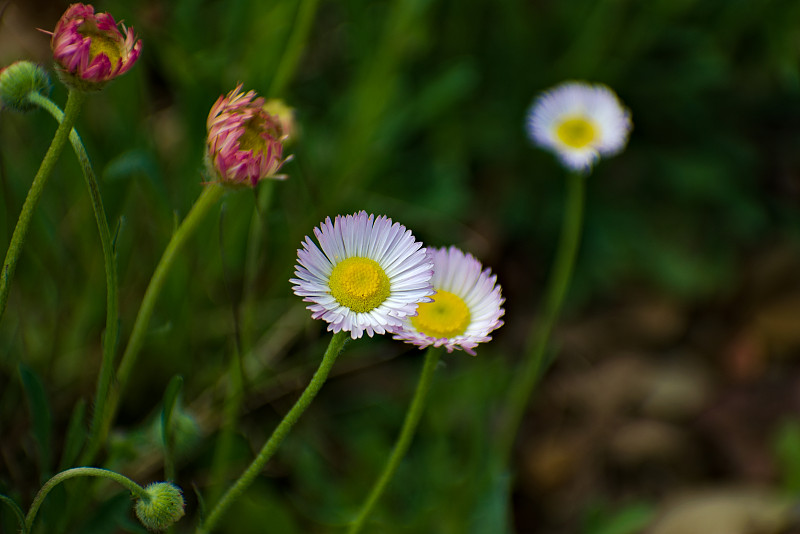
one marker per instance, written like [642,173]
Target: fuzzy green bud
[20,79]
[163,508]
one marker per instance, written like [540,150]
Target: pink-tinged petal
[72,47]
[233,116]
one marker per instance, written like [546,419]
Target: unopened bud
[278,108]
[163,508]
[245,142]
[20,79]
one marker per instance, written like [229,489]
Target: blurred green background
[415,109]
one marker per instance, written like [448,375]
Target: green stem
[404,439]
[279,434]
[74,102]
[294,48]
[112,287]
[525,381]
[124,481]
[208,198]
[17,512]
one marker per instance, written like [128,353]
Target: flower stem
[294,48]
[524,383]
[208,198]
[404,439]
[74,102]
[112,288]
[124,481]
[17,512]
[279,434]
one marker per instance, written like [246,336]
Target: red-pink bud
[245,142]
[90,49]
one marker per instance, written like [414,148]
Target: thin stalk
[525,381]
[112,287]
[124,481]
[279,434]
[208,198]
[17,512]
[294,48]
[413,416]
[74,102]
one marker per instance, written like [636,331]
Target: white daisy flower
[465,308]
[580,123]
[368,276]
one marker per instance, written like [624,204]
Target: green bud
[163,508]
[18,80]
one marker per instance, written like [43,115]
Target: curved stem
[207,199]
[124,481]
[404,439]
[279,434]
[112,288]
[74,102]
[525,381]
[17,512]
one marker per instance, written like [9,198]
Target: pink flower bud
[245,142]
[90,49]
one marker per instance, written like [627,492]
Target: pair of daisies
[370,275]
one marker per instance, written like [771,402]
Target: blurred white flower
[579,122]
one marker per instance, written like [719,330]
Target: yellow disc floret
[100,43]
[446,317]
[576,132]
[359,284]
[251,138]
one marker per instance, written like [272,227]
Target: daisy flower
[90,49]
[367,274]
[465,307]
[579,122]
[245,142]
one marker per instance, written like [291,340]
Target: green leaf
[786,445]
[40,414]
[628,520]
[201,505]
[76,436]
[170,400]
[491,512]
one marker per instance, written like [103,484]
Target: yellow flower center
[359,284]
[251,139]
[577,132]
[446,317]
[100,43]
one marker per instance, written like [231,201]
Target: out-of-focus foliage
[410,108]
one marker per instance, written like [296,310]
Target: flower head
[19,80]
[465,307]
[367,274]
[245,141]
[90,49]
[580,123]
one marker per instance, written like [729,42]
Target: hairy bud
[20,79]
[163,508]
